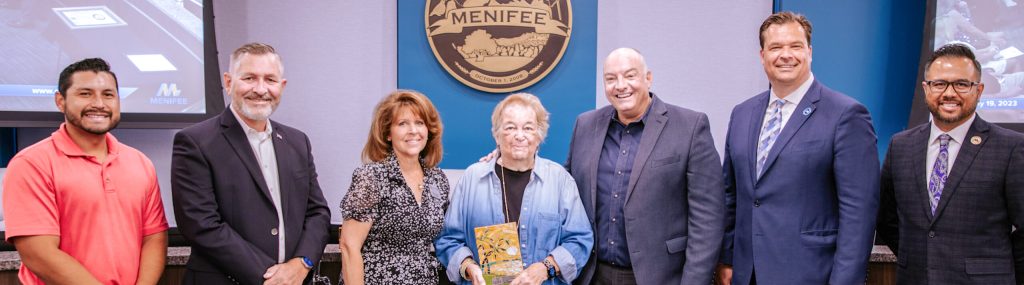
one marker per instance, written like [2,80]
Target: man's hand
[489,156]
[724,274]
[291,272]
[536,274]
[473,272]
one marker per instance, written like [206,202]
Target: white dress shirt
[957,135]
[263,147]
[792,100]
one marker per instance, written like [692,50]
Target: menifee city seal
[498,45]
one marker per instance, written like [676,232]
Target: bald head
[627,84]
[627,54]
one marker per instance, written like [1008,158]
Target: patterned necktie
[937,179]
[769,133]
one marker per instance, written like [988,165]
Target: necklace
[504,200]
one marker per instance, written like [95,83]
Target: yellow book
[500,257]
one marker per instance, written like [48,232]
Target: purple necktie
[940,170]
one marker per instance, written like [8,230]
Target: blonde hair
[378,147]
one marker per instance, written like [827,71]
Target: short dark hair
[785,17]
[954,50]
[89,64]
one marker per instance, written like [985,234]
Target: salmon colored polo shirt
[101,212]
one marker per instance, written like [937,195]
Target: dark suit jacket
[810,218]
[674,201]
[223,206]
[969,240]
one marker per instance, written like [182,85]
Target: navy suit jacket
[224,209]
[810,218]
[674,201]
[969,240]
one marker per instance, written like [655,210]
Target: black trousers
[608,274]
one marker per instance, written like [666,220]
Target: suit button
[757,203]
[931,234]
[273,231]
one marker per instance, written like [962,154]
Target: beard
[251,112]
[76,120]
[950,119]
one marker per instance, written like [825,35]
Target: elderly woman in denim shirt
[554,232]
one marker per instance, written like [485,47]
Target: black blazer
[224,209]
[969,240]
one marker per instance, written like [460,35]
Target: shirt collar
[643,119]
[797,94]
[957,134]
[62,140]
[249,130]
[537,168]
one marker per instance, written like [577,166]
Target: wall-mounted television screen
[163,52]
[995,30]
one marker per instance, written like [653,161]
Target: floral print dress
[399,247]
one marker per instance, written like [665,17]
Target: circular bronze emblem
[498,45]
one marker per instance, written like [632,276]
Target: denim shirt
[552,221]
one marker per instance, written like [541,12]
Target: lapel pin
[808,111]
[279,136]
[976,140]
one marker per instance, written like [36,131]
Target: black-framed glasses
[960,86]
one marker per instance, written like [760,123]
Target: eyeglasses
[960,86]
[513,130]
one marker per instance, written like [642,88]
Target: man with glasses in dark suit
[952,191]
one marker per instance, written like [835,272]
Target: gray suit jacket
[969,240]
[675,201]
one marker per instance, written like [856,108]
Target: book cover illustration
[500,258]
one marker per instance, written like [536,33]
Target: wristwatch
[308,263]
[551,268]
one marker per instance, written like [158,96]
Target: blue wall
[869,50]
[567,91]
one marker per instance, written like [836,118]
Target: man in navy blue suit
[801,174]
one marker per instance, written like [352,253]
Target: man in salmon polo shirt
[81,207]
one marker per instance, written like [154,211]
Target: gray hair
[526,100]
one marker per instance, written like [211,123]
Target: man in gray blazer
[649,178]
[952,189]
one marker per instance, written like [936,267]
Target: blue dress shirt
[552,221]
[621,145]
